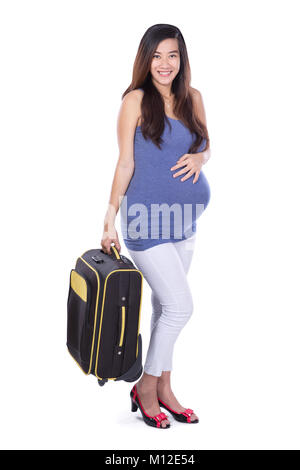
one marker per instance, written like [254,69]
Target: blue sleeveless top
[156,207]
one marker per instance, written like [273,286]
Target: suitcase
[103,316]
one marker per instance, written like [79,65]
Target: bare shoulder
[127,121]
[134,96]
[131,105]
[138,92]
[198,104]
[130,109]
[196,95]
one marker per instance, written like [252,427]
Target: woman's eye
[172,55]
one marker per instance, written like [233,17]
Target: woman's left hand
[192,163]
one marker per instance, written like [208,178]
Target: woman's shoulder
[134,98]
[195,93]
[136,94]
[198,105]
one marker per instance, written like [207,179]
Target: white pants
[165,269]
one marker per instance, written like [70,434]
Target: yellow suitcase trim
[78,284]
[123,326]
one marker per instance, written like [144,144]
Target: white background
[64,66]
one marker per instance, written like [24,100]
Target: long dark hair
[152,106]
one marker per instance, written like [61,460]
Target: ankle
[145,388]
[164,387]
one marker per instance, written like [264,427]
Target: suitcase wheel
[102,382]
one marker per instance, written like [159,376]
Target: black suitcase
[103,316]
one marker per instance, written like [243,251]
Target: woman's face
[166,58]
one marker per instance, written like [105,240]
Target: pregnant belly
[165,202]
[166,189]
[188,193]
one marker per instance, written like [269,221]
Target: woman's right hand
[108,238]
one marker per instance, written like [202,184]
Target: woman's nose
[164,64]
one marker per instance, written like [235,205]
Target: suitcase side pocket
[78,312]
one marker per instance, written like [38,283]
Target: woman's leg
[164,268]
[185,250]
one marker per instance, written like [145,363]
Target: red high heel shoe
[183,417]
[154,421]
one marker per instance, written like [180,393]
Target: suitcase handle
[114,253]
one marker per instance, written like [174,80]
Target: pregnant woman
[161,190]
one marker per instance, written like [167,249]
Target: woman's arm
[127,120]
[200,112]
[199,106]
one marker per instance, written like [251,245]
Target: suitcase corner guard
[135,370]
